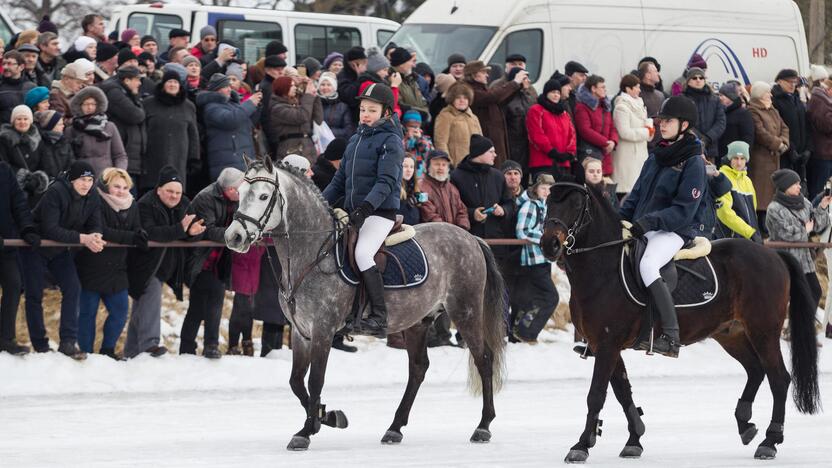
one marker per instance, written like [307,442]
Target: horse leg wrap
[314,414]
[774,433]
[746,429]
[636,425]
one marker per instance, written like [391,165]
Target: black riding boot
[376,322]
[668,343]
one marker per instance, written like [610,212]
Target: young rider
[369,179]
[665,208]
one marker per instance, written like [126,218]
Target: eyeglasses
[697,78]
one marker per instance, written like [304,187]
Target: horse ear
[268,163]
[248,161]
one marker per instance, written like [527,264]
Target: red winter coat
[245,270]
[595,125]
[548,131]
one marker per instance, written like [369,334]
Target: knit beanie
[21,110]
[399,56]
[125,55]
[168,174]
[509,165]
[332,58]
[730,90]
[784,178]
[128,34]
[275,48]
[170,75]
[335,149]
[82,67]
[694,71]
[217,82]
[105,52]
[456,58]
[235,70]
[47,120]
[82,43]
[818,73]
[189,59]
[376,61]
[478,146]
[46,25]
[738,149]
[696,61]
[178,69]
[35,96]
[146,39]
[282,85]
[207,31]
[759,89]
[355,53]
[312,65]
[80,168]
[412,116]
[555,84]
[145,56]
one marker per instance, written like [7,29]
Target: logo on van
[716,49]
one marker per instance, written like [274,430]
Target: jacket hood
[165,98]
[629,101]
[86,93]
[585,96]
[31,137]
[210,97]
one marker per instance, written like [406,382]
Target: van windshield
[435,42]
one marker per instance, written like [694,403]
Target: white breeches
[661,247]
[370,238]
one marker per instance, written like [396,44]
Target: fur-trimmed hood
[585,96]
[88,92]
[14,138]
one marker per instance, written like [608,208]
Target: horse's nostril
[237,238]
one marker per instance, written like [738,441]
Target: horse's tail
[493,324]
[802,309]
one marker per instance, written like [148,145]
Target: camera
[827,191]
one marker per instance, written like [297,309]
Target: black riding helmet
[681,108]
[379,93]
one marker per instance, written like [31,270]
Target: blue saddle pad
[410,255]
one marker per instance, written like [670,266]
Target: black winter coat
[211,206]
[515,111]
[162,224]
[11,95]
[15,215]
[172,136]
[711,122]
[481,185]
[322,172]
[266,117]
[24,154]
[63,215]
[126,111]
[739,126]
[793,112]
[348,85]
[106,272]
[337,115]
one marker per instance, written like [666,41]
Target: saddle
[351,239]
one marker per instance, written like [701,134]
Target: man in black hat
[150,45]
[355,64]
[278,49]
[106,61]
[125,109]
[577,74]
[410,96]
[327,163]
[68,212]
[786,100]
[456,66]
[176,38]
[163,216]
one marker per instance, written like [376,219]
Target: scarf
[94,125]
[672,153]
[556,108]
[117,204]
[790,202]
[52,137]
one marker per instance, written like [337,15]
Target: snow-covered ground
[181,411]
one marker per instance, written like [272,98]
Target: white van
[747,40]
[304,34]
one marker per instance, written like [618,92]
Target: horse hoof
[298,443]
[481,436]
[576,456]
[748,435]
[336,419]
[765,453]
[631,451]
[392,437]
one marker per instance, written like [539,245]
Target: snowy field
[183,411]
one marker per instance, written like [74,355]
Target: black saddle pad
[696,282]
[410,255]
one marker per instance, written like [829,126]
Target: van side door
[533,41]
[320,38]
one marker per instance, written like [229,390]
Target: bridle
[582,221]
[289,290]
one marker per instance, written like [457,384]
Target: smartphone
[421,197]
[301,70]
[488,211]
[827,191]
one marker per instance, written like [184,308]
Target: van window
[383,36]
[5,32]
[319,41]
[155,24]
[250,36]
[528,43]
[435,42]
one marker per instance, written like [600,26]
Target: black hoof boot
[298,443]
[631,451]
[576,456]
[336,419]
[392,438]
[747,430]
[481,436]
[767,449]
[749,434]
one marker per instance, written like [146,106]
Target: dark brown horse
[761,286]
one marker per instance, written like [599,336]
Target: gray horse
[464,280]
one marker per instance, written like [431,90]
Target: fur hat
[21,111]
[86,93]
[105,52]
[456,58]
[355,53]
[759,89]
[459,89]
[472,68]
[275,48]
[273,61]
[443,82]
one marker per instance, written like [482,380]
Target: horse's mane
[299,177]
[603,206]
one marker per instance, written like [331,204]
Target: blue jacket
[371,170]
[228,130]
[711,122]
[669,198]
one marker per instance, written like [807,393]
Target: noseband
[260,223]
[582,221]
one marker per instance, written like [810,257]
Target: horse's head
[261,205]
[567,208]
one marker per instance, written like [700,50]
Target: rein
[290,289]
[581,222]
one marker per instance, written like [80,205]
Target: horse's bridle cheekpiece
[261,222]
[581,221]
